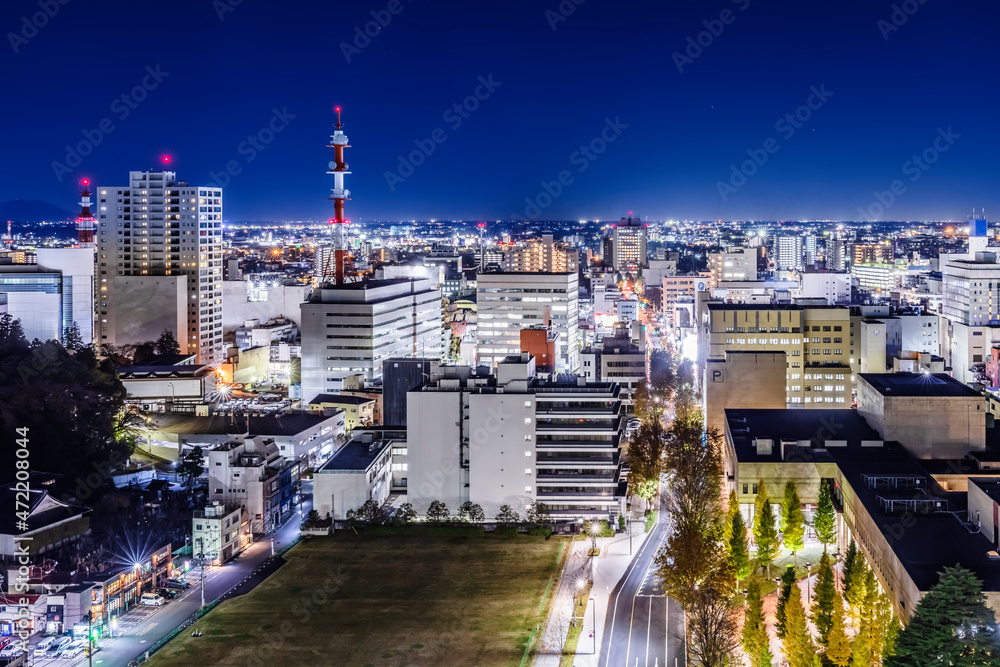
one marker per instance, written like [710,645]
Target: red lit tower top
[85,223]
[338,141]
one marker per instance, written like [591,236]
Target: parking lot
[249,406]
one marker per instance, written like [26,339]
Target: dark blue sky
[607,60]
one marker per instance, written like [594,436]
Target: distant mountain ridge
[35,210]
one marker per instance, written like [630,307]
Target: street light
[808,589]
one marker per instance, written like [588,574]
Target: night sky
[887,92]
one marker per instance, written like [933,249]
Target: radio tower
[338,231]
[85,221]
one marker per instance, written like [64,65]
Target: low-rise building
[619,358]
[360,471]
[220,532]
[357,410]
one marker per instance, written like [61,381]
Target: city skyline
[673,113]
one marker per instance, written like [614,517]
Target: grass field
[413,599]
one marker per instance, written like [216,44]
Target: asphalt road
[644,627]
[142,627]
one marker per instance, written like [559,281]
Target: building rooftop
[355,456]
[917,384]
[266,425]
[815,426]
[988,485]
[341,398]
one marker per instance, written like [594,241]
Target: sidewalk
[609,568]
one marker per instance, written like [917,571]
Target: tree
[508,516]
[470,511]
[825,519]
[72,338]
[793,522]
[784,594]
[838,646]
[192,465]
[855,595]
[167,343]
[405,514]
[732,508]
[645,456]
[849,559]
[825,598]
[714,627]
[66,403]
[951,625]
[739,551]
[797,644]
[649,402]
[765,534]
[437,512]
[755,640]
[538,514]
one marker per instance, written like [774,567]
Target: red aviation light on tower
[166,159]
[339,195]
[85,223]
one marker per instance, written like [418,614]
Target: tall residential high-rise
[835,252]
[971,304]
[159,265]
[788,253]
[542,256]
[869,253]
[509,302]
[629,245]
[809,248]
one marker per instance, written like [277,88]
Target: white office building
[351,329]
[159,263]
[509,302]
[511,439]
[52,295]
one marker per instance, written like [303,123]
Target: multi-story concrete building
[835,260]
[351,329]
[788,253]
[159,263]
[815,339]
[834,287]
[629,245]
[542,256]
[618,358]
[510,302]
[870,253]
[52,294]
[680,290]
[220,532]
[971,305]
[360,471]
[513,439]
[252,474]
[733,264]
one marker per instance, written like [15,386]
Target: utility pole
[201,558]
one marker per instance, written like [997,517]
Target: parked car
[74,648]
[151,600]
[167,593]
[177,583]
[11,650]
[43,645]
[58,646]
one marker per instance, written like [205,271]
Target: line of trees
[694,564]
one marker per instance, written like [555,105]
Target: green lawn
[412,599]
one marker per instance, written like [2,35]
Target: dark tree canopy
[68,402]
[167,343]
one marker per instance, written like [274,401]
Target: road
[644,627]
[142,627]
